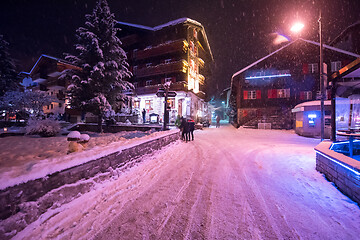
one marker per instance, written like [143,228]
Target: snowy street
[227,184]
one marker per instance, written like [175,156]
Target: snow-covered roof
[344,32]
[49,57]
[135,25]
[333,48]
[313,103]
[260,60]
[299,39]
[171,23]
[156,28]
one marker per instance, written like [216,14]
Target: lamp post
[322,92]
[296,28]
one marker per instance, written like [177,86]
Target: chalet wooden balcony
[164,68]
[180,45]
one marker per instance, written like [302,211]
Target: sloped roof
[48,57]
[290,43]
[357,23]
[172,23]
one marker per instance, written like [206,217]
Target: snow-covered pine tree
[98,87]
[8,76]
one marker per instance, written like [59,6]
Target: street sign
[171,94]
[160,94]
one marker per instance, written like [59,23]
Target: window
[313,68]
[305,95]
[168,61]
[60,105]
[171,103]
[283,93]
[252,94]
[137,104]
[148,82]
[335,66]
[148,104]
[148,65]
[168,79]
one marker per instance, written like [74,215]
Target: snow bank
[30,166]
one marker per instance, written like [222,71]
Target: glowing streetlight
[297,27]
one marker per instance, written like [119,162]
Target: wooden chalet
[267,90]
[45,76]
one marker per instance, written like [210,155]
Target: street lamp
[297,27]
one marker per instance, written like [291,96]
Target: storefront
[185,104]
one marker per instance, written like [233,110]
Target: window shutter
[274,93]
[258,94]
[305,68]
[269,93]
[302,95]
[245,94]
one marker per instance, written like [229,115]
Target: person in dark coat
[191,124]
[144,115]
[184,126]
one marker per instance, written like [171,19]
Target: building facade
[267,90]
[45,77]
[177,52]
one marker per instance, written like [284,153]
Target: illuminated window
[311,119]
[137,104]
[171,103]
[148,82]
[283,93]
[252,94]
[148,104]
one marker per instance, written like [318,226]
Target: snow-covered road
[227,184]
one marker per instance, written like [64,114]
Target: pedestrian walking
[217,121]
[144,115]
[191,124]
[184,126]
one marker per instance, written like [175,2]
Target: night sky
[239,32]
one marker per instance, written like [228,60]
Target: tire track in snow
[275,223]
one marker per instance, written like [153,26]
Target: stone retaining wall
[344,174]
[29,200]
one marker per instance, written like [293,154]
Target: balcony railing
[180,45]
[164,68]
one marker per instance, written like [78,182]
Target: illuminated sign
[268,73]
[270,76]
